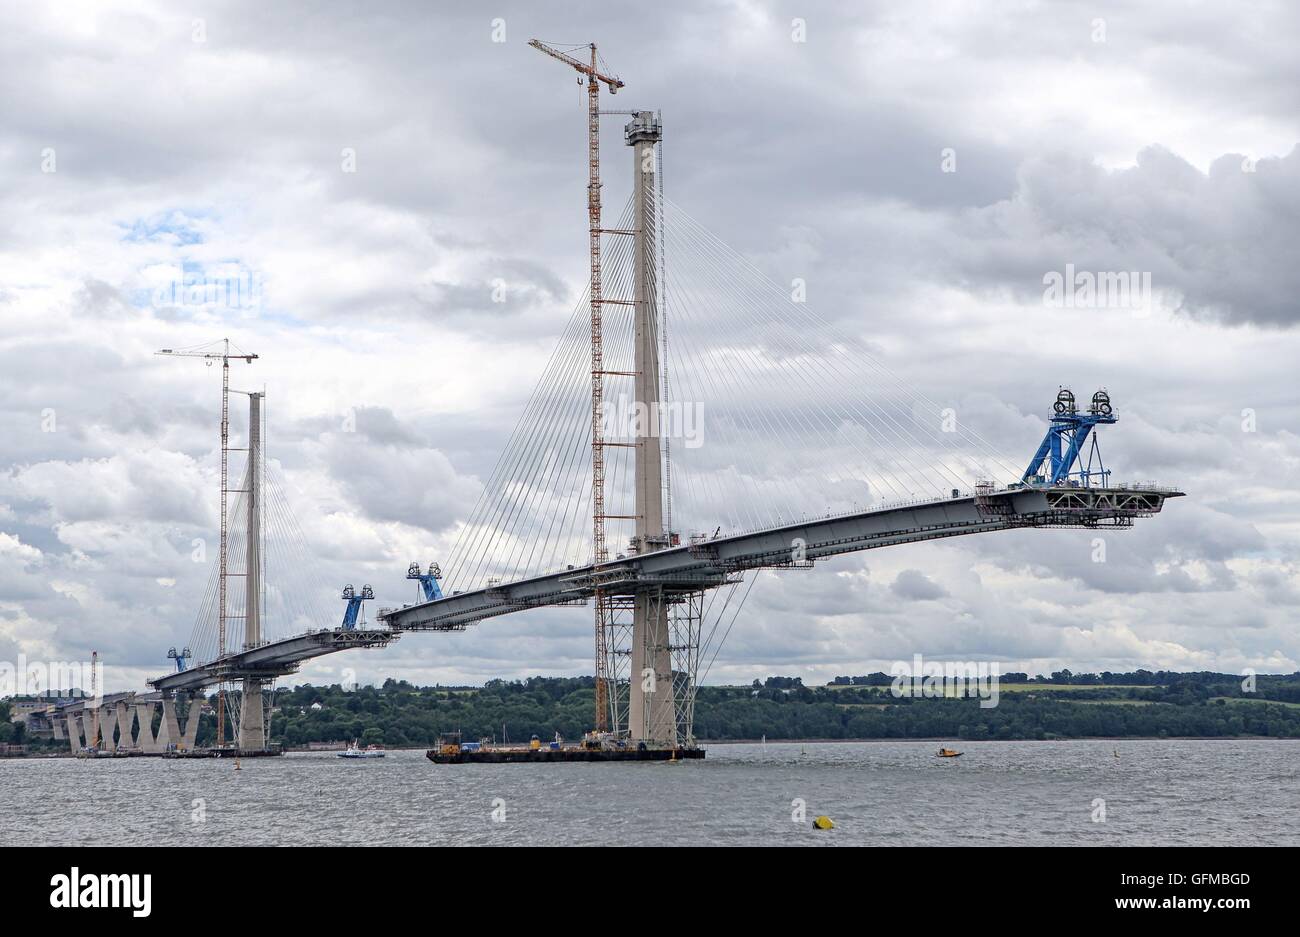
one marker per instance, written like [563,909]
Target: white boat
[355,751]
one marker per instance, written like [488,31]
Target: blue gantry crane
[1062,448]
[180,657]
[354,600]
[429,588]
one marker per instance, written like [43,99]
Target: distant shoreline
[710,742]
[947,738]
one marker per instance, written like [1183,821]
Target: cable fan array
[292,589]
[795,419]
[769,414]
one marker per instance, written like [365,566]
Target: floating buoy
[823,823]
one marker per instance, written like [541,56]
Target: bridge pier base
[252,724]
[106,722]
[124,718]
[651,715]
[87,723]
[169,731]
[144,735]
[74,733]
[193,710]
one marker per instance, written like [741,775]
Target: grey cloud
[819,160]
[914,584]
[414,486]
[1218,244]
[100,300]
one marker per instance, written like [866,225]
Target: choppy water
[892,793]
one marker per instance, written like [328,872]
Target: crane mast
[594,78]
[224,357]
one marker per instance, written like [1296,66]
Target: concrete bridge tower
[651,713]
[252,725]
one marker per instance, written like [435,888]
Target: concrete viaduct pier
[123,723]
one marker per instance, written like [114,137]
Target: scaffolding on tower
[594,77]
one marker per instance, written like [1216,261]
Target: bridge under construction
[804,447]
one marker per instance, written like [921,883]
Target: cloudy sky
[371,172]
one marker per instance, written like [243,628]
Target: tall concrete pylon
[651,715]
[252,727]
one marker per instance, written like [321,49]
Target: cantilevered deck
[272,658]
[705,563]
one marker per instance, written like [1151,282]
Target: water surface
[878,794]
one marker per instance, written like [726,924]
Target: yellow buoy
[823,823]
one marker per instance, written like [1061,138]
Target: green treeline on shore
[1178,705]
[1064,705]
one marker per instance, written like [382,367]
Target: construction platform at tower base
[452,751]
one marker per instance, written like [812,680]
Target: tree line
[400,714]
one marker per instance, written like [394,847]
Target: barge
[224,752]
[593,747]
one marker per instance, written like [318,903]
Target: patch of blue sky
[177,227]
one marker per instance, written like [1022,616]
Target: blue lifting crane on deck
[1054,462]
[354,600]
[180,658]
[429,588]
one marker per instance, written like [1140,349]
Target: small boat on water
[355,751]
[949,753]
